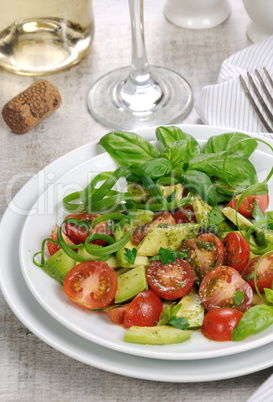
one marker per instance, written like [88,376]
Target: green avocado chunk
[163,335]
[130,283]
[58,265]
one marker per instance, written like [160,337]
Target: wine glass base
[106,106]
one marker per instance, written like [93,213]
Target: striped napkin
[225,103]
[264,393]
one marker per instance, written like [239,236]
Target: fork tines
[260,97]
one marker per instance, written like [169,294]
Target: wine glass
[139,95]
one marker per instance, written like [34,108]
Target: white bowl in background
[197,14]
[261,15]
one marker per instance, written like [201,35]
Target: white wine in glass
[140,95]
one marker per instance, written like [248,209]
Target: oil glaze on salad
[176,239]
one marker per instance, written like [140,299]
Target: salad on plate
[176,239]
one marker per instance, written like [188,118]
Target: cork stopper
[31,106]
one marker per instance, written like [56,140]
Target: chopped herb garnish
[239,297]
[130,255]
[167,255]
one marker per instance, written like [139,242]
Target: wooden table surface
[30,370]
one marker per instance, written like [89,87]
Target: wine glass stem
[139,92]
[140,69]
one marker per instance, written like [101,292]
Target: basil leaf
[155,168]
[269,294]
[130,255]
[223,142]
[128,148]
[239,171]
[202,184]
[254,320]
[168,135]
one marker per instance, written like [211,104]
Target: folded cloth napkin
[225,103]
[264,393]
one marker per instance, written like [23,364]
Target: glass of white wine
[140,95]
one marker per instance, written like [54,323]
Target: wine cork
[31,106]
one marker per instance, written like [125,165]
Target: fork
[260,97]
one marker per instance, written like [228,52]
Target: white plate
[35,318]
[95,327]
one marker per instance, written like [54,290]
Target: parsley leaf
[239,297]
[180,322]
[167,255]
[130,255]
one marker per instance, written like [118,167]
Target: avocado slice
[192,309]
[164,335]
[166,236]
[201,210]
[58,265]
[230,213]
[130,283]
[111,261]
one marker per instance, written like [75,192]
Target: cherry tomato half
[247,205]
[219,323]
[53,247]
[91,284]
[219,288]
[204,253]
[171,281]
[237,251]
[144,310]
[264,272]
[141,231]
[117,314]
[78,235]
[184,215]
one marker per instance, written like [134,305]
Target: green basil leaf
[223,142]
[239,171]
[269,294]
[202,184]
[128,148]
[155,168]
[170,134]
[254,320]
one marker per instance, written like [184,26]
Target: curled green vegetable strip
[150,185]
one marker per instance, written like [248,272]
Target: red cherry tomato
[53,247]
[237,251]
[141,231]
[247,205]
[171,281]
[78,235]
[219,323]
[144,310]
[117,314]
[184,215]
[264,272]
[219,288]
[204,253]
[91,284]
